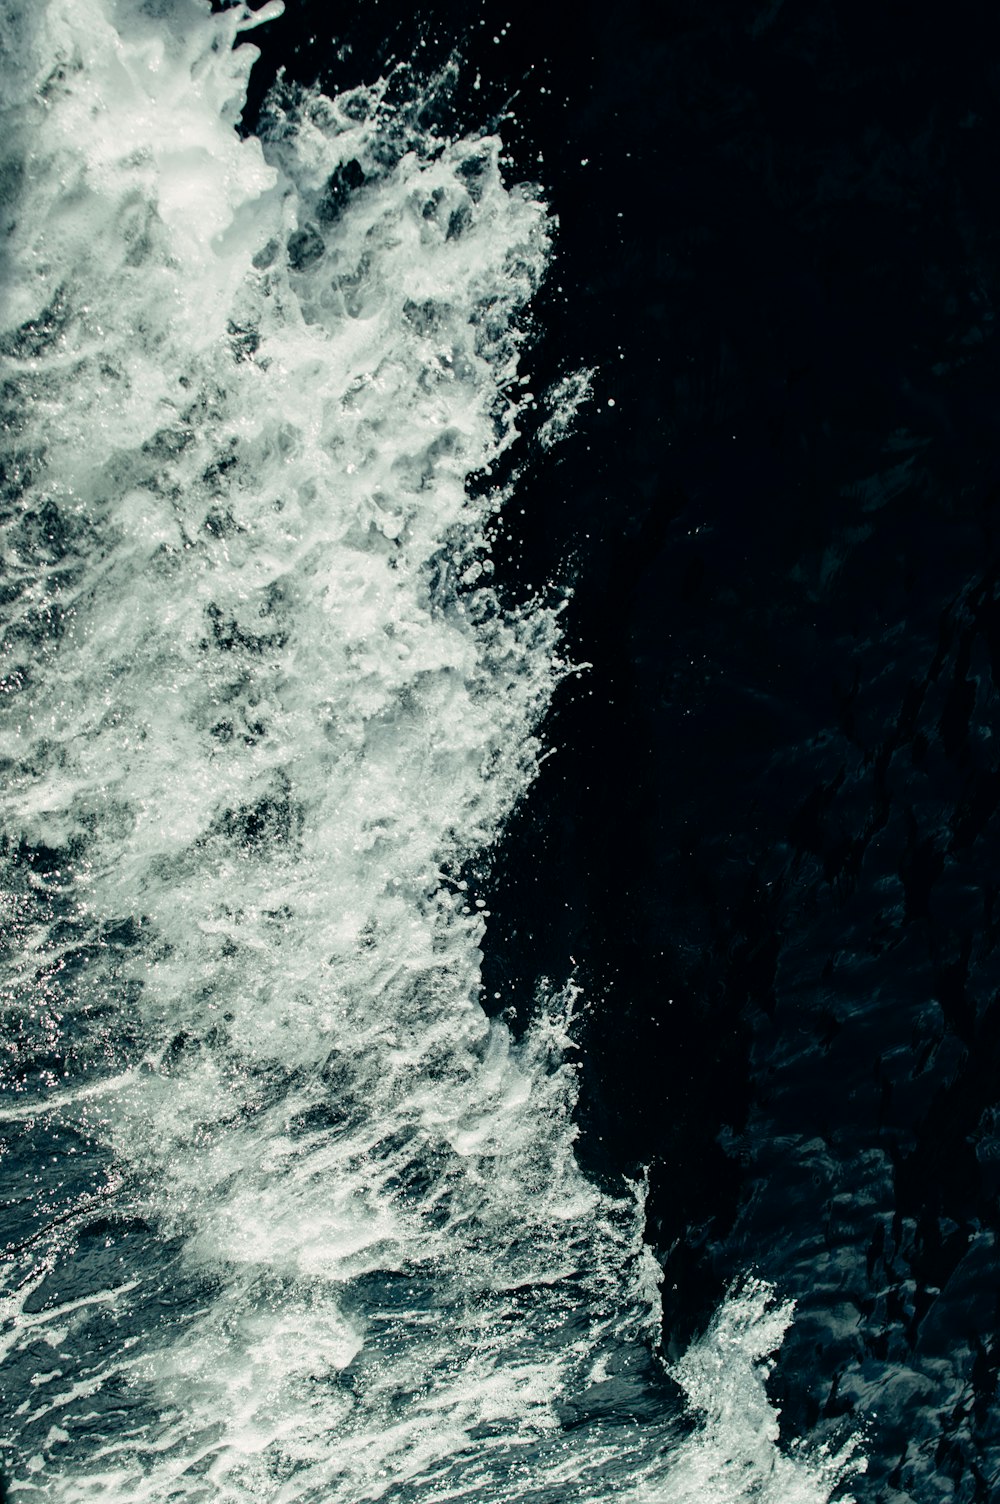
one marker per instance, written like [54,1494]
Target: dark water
[769,836]
[766,844]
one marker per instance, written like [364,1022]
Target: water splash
[294,1219]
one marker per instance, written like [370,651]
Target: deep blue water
[770,834]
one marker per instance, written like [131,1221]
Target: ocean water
[288,1215]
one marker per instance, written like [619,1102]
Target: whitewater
[286,1215]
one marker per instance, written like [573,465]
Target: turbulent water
[287,1216]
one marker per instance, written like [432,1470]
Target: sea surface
[499,641]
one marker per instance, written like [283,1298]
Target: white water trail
[290,1218]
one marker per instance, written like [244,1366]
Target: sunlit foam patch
[734,1452]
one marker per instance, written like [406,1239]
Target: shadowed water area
[769,836]
[785,890]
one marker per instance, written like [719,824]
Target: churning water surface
[287,1217]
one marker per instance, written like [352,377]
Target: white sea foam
[327,1238]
